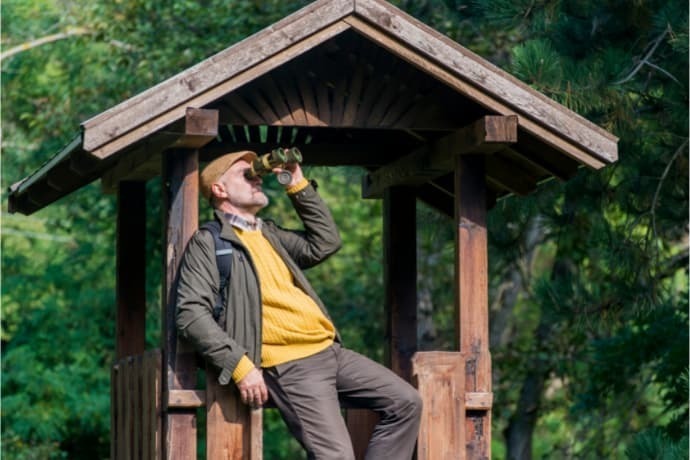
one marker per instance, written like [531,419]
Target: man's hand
[253,389]
[296,172]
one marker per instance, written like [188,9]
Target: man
[275,336]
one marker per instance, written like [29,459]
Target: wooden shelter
[349,83]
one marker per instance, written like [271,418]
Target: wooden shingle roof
[351,82]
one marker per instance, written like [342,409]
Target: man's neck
[248,216]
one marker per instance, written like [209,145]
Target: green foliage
[588,281]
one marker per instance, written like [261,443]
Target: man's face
[238,195]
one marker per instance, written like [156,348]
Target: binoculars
[276,158]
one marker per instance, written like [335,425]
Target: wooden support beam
[486,135]
[180,208]
[131,269]
[142,162]
[472,304]
[400,278]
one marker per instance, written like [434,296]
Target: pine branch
[655,200]
[645,60]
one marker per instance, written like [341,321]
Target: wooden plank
[294,31]
[249,113]
[440,382]
[400,278]
[114,412]
[261,104]
[256,433]
[478,401]
[115,143]
[155,361]
[472,303]
[486,135]
[147,408]
[360,425]
[227,421]
[290,92]
[180,205]
[308,95]
[605,151]
[128,416]
[491,80]
[186,398]
[137,412]
[131,269]
[354,95]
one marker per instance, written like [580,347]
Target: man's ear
[218,190]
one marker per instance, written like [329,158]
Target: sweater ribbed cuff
[243,368]
[298,187]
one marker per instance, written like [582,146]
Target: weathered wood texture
[440,379]
[481,80]
[233,430]
[142,161]
[131,269]
[216,76]
[472,305]
[180,207]
[135,432]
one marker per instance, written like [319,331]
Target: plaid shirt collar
[242,223]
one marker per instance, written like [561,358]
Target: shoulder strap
[223,262]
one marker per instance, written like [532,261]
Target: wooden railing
[233,431]
[135,430]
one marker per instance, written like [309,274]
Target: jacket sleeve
[197,285]
[320,237]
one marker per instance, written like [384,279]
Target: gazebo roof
[350,83]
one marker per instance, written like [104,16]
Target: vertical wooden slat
[155,371]
[137,384]
[126,410]
[307,93]
[227,422]
[360,424]
[256,433]
[292,98]
[440,382]
[269,86]
[180,198]
[400,278]
[114,412]
[354,96]
[147,394]
[131,269]
[472,294]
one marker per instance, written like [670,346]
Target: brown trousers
[308,392]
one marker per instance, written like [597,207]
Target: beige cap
[217,168]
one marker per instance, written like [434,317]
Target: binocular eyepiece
[276,158]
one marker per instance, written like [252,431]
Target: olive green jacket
[198,282]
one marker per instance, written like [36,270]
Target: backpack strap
[224,250]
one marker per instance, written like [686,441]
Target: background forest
[588,281]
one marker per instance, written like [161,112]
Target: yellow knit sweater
[294,326]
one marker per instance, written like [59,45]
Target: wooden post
[181,211]
[400,278]
[131,269]
[472,296]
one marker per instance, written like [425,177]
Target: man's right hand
[253,389]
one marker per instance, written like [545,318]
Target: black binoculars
[276,158]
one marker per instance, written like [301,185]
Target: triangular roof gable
[387,26]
